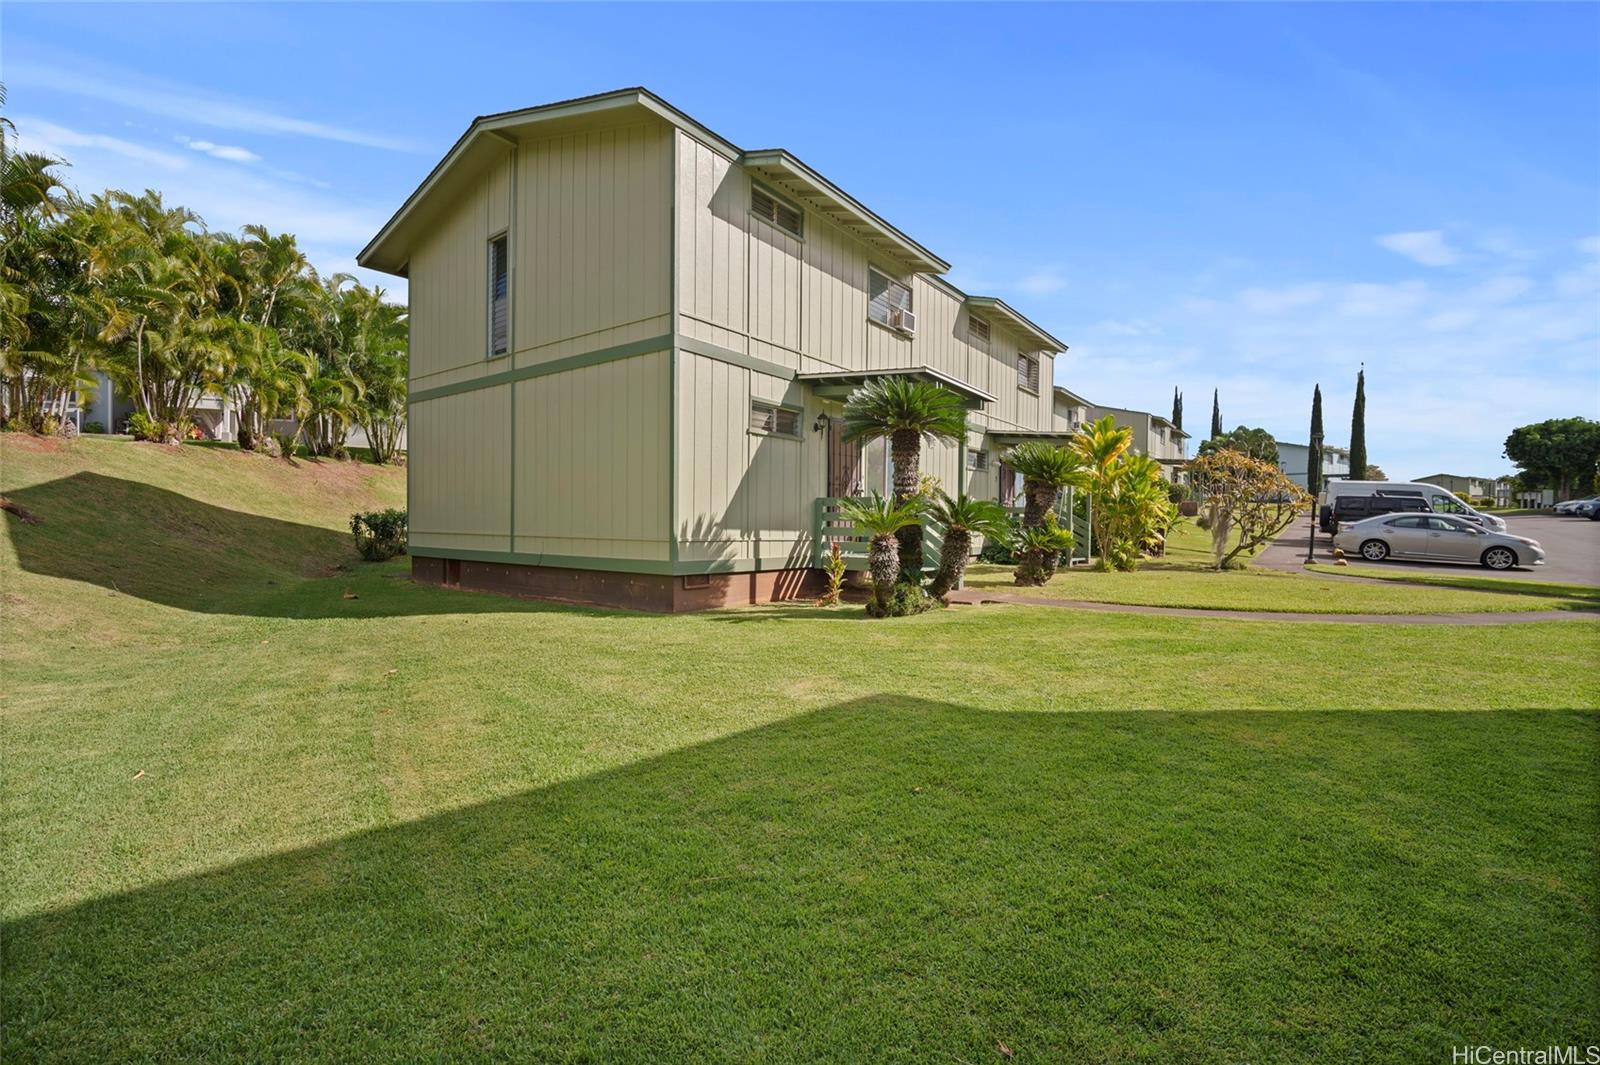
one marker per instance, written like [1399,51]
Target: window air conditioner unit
[902,320]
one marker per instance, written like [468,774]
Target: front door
[844,461]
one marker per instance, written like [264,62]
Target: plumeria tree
[1248,501]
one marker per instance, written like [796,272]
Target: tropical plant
[834,568]
[1046,469]
[962,518]
[140,290]
[1038,550]
[1101,444]
[1134,512]
[905,412]
[879,520]
[1248,501]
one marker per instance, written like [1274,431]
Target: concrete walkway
[972,597]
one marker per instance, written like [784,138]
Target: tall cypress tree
[1177,407]
[1358,429]
[1216,416]
[1314,455]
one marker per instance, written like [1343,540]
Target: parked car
[1436,538]
[1576,506]
[1348,509]
[1440,500]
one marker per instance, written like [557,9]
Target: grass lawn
[1185,578]
[249,817]
[1580,595]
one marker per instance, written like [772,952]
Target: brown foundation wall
[631,591]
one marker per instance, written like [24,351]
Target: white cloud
[1279,300]
[1427,247]
[1453,364]
[1041,283]
[48,138]
[1590,245]
[190,105]
[221,151]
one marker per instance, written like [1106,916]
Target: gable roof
[489,135]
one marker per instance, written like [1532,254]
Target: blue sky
[1253,198]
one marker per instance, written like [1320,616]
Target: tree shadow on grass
[892,879]
[132,538]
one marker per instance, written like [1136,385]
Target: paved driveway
[1572,549]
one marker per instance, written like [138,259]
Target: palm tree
[1038,549]
[962,518]
[879,519]
[1046,469]
[905,411]
[1101,445]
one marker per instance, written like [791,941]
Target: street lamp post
[1315,453]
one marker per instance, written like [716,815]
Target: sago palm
[1038,549]
[905,411]
[962,518]
[1046,469]
[879,519]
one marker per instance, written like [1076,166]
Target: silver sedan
[1435,538]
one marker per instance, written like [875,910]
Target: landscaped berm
[265,801]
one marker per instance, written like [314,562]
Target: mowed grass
[249,817]
[1185,577]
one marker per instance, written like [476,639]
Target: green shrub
[380,534]
[94,427]
[143,427]
[288,444]
[1177,493]
[907,599]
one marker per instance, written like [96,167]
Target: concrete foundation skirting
[656,592]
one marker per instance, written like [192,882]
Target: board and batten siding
[746,285]
[581,455]
[593,456]
[743,496]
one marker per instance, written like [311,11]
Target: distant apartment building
[1295,461]
[1473,489]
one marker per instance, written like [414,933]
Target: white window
[1028,373]
[978,332]
[774,420]
[499,297]
[765,205]
[977,460]
[889,302]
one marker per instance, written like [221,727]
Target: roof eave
[997,307]
[781,166]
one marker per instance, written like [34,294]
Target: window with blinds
[774,420]
[887,298]
[978,332]
[1028,373]
[977,460]
[499,297]
[765,205]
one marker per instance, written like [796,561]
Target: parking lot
[1572,548]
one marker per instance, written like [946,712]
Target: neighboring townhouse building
[1153,435]
[1295,462]
[1071,410]
[1472,489]
[631,342]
